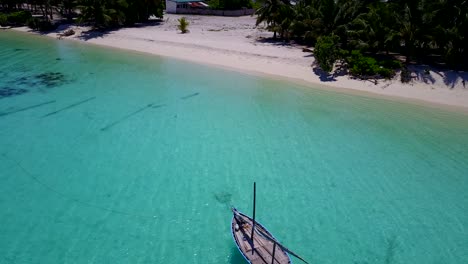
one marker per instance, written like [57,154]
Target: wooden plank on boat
[263,248]
[255,242]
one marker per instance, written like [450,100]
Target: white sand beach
[235,43]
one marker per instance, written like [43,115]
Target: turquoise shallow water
[115,157]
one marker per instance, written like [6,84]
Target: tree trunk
[409,50]
[43,12]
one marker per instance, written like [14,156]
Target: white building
[173,5]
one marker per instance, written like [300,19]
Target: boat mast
[273,255]
[253,219]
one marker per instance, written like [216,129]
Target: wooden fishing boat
[260,249]
[255,242]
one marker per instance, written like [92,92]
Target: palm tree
[372,30]
[285,21]
[409,28]
[103,13]
[270,13]
[448,21]
[327,17]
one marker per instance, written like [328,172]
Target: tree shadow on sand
[329,77]
[423,75]
[59,29]
[452,78]
[451,75]
[149,23]
[85,35]
[94,33]
[274,41]
[99,33]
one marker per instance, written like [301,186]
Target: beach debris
[66,33]
[189,96]
[27,108]
[70,106]
[118,121]
[215,30]
[307,50]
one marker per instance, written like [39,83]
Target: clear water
[108,156]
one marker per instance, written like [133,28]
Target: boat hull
[264,249]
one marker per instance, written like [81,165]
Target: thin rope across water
[72,199]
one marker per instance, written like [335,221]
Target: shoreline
[242,52]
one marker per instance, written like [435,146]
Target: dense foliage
[326,52]
[433,31]
[364,66]
[113,13]
[3,20]
[100,13]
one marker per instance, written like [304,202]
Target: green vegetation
[99,13]
[363,66]
[423,31]
[269,12]
[19,17]
[115,13]
[326,52]
[19,13]
[40,24]
[183,25]
[3,20]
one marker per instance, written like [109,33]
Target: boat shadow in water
[236,257]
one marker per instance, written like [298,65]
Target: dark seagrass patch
[7,91]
